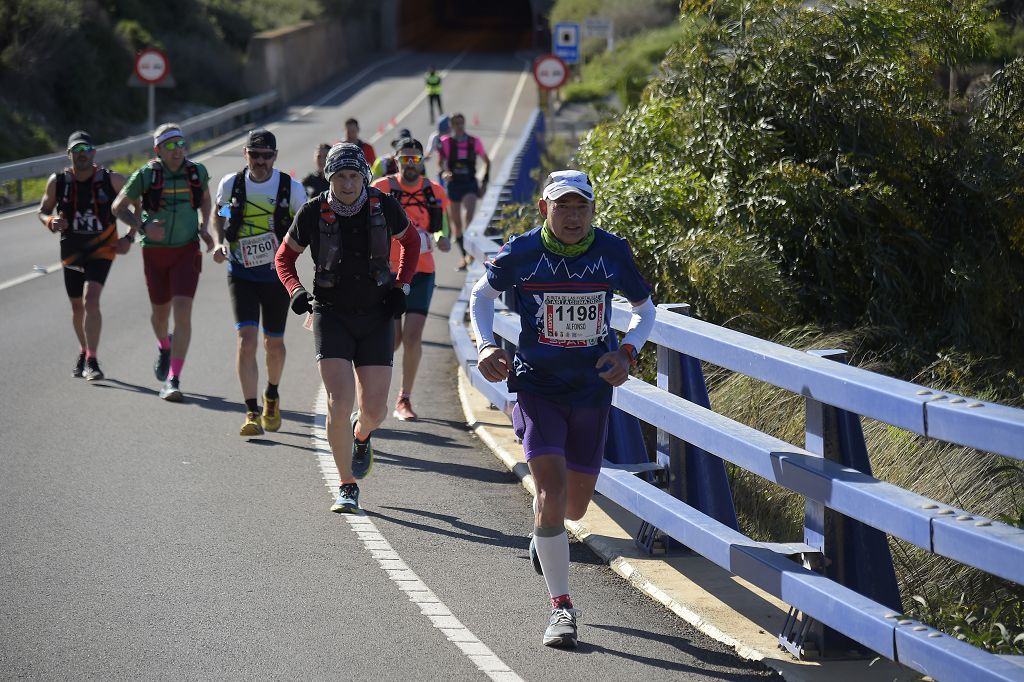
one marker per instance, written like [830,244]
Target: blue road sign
[567,42]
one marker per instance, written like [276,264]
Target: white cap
[564,181]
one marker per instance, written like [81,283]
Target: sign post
[151,69]
[567,42]
[551,73]
[599,27]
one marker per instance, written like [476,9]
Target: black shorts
[362,339]
[459,186]
[250,297]
[94,270]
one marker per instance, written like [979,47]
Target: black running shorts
[362,339]
[94,270]
[249,298]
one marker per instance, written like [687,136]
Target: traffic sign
[567,42]
[599,27]
[550,72]
[151,66]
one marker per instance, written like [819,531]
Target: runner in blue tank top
[562,276]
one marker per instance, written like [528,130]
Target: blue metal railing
[836,394]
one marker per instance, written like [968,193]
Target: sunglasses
[174,144]
[82,148]
[410,158]
[260,155]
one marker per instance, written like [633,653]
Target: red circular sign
[550,72]
[151,66]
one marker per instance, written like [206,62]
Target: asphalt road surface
[142,539]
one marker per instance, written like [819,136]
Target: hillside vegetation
[798,173]
[64,64]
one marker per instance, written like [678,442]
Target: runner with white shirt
[255,210]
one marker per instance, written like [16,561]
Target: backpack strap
[195,184]
[237,207]
[151,197]
[283,205]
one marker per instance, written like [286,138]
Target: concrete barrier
[297,58]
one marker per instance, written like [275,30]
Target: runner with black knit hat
[355,299]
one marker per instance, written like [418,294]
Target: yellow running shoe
[251,427]
[271,413]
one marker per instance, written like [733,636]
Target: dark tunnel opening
[448,25]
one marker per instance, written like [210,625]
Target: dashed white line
[399,572]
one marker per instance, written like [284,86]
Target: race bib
[258,250]
[426,242]
[573,319]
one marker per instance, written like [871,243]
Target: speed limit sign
[550,72]
[151,66]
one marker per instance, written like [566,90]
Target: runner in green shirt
[167,201]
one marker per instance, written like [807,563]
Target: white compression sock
[553,550]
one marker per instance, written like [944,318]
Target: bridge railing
[210,124]
[935,527]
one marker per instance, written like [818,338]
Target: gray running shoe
[348,499]
[79,367]
[163,364]
[561,630]
[171,392]
[92,370]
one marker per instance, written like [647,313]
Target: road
[142,539]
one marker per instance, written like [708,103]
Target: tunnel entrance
[455,25]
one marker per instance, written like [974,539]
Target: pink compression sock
[176,365]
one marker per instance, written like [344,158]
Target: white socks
[553,550]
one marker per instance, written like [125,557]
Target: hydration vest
[330,253]
[102,196]
[282,218]
[151,197]
[461,167]
[430,202]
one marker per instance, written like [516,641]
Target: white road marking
[416,102]
[511,110]
[404,577]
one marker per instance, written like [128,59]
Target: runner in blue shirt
[562,276]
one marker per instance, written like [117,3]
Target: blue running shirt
[564,306]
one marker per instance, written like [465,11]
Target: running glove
[394,301]
[302,301]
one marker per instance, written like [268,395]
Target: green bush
[64,63]
[796,173]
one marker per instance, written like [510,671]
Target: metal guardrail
[938,528]
[219,120]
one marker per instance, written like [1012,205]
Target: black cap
[403,134]
[261,139]
[79,137]
[408,142]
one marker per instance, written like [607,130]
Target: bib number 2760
[258,250]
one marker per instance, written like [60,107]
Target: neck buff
[345,210]
[552,244]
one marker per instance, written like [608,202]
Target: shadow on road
[721,660]
[208,402]
[267,442]
[470,532]
[475,473]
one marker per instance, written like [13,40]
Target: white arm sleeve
[640,324]
[481,312]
